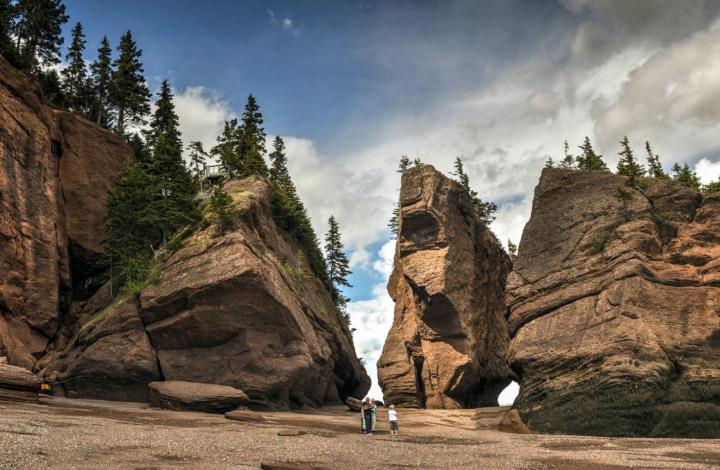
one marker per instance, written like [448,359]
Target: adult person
[367,415]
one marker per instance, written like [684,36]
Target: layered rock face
[244,309]
[446,348]
[55,170]
[614,308]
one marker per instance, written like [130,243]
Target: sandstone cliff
[446,348]
[240,309]
[614,303]
[55,169]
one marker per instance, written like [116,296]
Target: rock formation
[18,384]
[244,309]
[614,303]
[51,212]
[446,348]
[191,396]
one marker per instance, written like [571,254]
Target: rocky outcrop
[18,384]
[244,309]
[447,345]
[614,308]
[189,396]
[55,169]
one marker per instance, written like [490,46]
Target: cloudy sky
[353,85]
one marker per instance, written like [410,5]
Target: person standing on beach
[392,417]
[367,414]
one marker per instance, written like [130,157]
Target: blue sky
[353,85]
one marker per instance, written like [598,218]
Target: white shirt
[392,415]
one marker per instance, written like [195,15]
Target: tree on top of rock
[37,29]
[165,120]
[569,160]
[512,250]
[337,262]
[75,78]
[101,77]
[588,159]
[628,165]
[485,211]
[654,167]
[7,47]
[252,141]
[129,94]
[394,223]
[198,156]
[686,176]
[404,164]
[226,148]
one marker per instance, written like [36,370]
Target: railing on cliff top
[210,171]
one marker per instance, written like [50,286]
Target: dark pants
[368,422]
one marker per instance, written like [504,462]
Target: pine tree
[139,148]
[654,167]
[75,79]
[628,165]
[176,188]
[51,86]
[101,77]
[404,164]
[485,211]
[129,95]
[337,262]
[37,30]
[7,47]
[684,175]
[711,188]
[512,250]
[278,162]
[588,159]
[198,156]
[221,209]
[252,141]
[394,223]
[549,163]
[226,149]
[417,162]
[569,160]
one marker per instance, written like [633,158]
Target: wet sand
[66,434]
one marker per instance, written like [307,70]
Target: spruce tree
[37,31]
[278,162]
[7,46]
[101,77]
[394,223]
[404,164]
[226,149]
[337,262]
[221,209]
[252,141]
[628,165]
[485,211]
[654,167]
[588,159]
[549,163]
[417,162]
[75,79]
[176,188]
[139,148]
[686,176]
[129,95]
[711,187]
[198,156]
[569,160]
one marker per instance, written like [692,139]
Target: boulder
[446,348]
[244,309]
[244,415]
[190,396]
[110,358]
[353,403]
[18,384]
[512,423]
[613,307]
[55,170]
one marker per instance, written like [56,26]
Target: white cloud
[708,171]
[202,114]
[287,24]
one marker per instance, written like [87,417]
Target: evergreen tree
[654,167]
[226,149]
[549,163]
[51,86]
[404,164]
[711,188]
[394,223]
[198,156]
[278,162]
[512,250]
[417,162]
[628,165]
[485,211]
[588,159]
[221,209]
[684,175]
[129,95]
[75,79]
[252,141]
[139,148]
[37,30]
[569,160]
[101,78]
[7,47]
[337,262]
[176,188]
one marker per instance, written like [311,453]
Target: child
[392,416]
